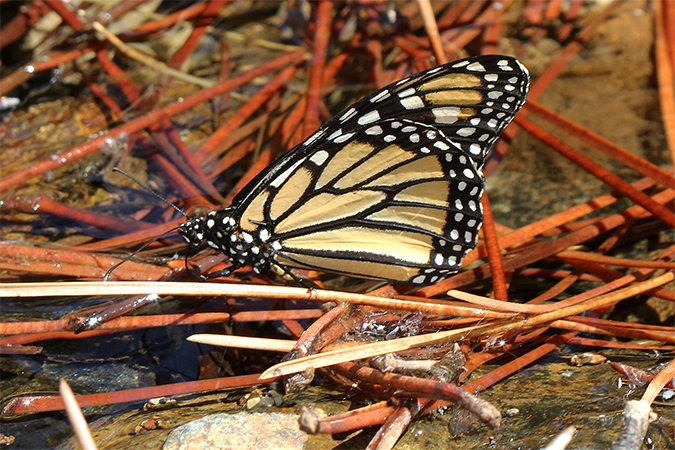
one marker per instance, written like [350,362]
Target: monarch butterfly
[387,189]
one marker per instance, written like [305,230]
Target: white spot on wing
[381,96]
[369,117]
[504,65]
[348,114]
[278,181]
[419,279]
[319,157]
[335,134]
[466,131]
[407,93]
[310,140]
[475,67]
[343,138]
[446,114]
[412,102]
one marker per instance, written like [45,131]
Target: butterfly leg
[294,275]
[220,273]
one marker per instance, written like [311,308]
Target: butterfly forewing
[470,100]
[389,188]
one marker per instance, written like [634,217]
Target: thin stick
[380,348]
[432,30]
[637,415]
[153,63]
[76,417]
[561,441]
[659,382]
[500,327]
[226,340]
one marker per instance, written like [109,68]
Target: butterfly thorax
[221,231]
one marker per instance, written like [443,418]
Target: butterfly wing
[471,100]
[390,188]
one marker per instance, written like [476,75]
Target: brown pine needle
[238,290]
[610,260]
[659,382]
[500,305]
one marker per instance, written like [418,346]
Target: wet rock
[240,431]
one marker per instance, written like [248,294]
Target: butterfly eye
[388,189]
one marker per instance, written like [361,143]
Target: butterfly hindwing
[383,204]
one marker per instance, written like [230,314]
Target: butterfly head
[193,231]
[211,229]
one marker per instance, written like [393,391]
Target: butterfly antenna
[110,271]
[150,191]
